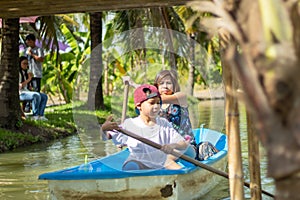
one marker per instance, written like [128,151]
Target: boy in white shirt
[150,126]
[35,57]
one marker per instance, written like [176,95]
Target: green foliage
[19,123]
[62,75]
[10,140]
[120,55]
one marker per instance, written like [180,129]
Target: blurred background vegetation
[66,40]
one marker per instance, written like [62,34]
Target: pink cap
[145,92]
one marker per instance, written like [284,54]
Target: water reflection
[20,169]
[212,114]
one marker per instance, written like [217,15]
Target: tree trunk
[95,95]
[139,44]
[191,77]
[169,38]
[10,112]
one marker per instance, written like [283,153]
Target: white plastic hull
[180,187]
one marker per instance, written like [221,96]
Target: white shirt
[23,89]
[34,65]
[161,133]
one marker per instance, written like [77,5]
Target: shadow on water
[20,169]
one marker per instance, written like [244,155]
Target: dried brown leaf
[224,20]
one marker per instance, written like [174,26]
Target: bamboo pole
[235,168]
[253,158]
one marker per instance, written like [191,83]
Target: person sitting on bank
[39,100]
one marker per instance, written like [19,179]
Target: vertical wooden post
[125,100]
[253,158]
[235,167]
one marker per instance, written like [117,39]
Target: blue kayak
[104,178]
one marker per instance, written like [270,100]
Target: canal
[19,170]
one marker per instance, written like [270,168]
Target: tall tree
[185,13]
[10,114]
[167,24]
[133,20]
[265,54]
[95,96]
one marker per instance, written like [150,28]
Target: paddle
[184,157]
[126,90]
[127,82]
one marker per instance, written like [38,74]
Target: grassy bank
[60,124]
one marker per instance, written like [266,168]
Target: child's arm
[109,125]
[24,83]
[168,148]
[109,130]
[178,98]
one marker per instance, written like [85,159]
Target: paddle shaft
[184,157]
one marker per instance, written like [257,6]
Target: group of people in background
[30,75]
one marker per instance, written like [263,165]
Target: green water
[19,170]
[216,121]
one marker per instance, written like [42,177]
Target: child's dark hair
[23,73]
[30,37]
[21,59]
